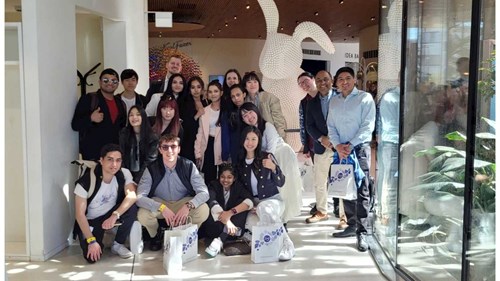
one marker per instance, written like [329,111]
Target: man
[350,129]
[171,188]
[111,203]
[306,82]
[99,116]
[129,96]
[174,66]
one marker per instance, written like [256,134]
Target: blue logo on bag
[339,175]
[267,238]
[190,239]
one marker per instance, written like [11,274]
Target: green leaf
[439,150]
[453,163]
[437,185]
[481,164]
[485,136]
[490,122]
[456,136]
[433,177]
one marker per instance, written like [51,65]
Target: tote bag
[172,252]
[267,241]
[341,182]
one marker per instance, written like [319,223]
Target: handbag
[267,241]
[341,182]
[189,237]
[172,252]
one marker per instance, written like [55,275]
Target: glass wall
[425,188]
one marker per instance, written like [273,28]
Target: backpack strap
[83,166]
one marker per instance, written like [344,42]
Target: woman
[175,88]
[208,145]
[194,108]
[231,129]
[268,104]
[167,119]
[229,204]
[138,143]
[232,77]
[262,177]
[286,157]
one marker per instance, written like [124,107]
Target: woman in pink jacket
[208,144]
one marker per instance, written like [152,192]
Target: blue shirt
[388,125]
[325,102]
[352,119]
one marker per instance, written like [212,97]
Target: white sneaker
[287,251]
[214,248]
[135,239]
[121,250]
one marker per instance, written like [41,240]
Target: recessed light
[226,24]
[247,6]
[219,30]
[316,13]
[349,25]
[372,18]
[159,35]
[341,2]
[235,17]
[330,30]
[213,35]
[297,22]
[281,28]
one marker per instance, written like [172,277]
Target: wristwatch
[116,214]
[190,205]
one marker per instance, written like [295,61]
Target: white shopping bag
[172,252]
[189,234]
[341,182]
[266,242]
[306,168]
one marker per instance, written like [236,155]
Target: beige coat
[270,109]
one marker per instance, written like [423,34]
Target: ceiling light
[248,6]
[341,2]
[372,18]
[384,6]
[421,1]
[219,30]
[349,25]
[213,35]
[235,17]
[226,24]
[281,28]
[316,13]
[159,35]
[297,22]
[330,30]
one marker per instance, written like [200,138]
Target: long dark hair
[170,91]
[145,134]
[175,124]
[217,84]
[257,162]
[248,106]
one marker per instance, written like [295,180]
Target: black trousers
[209,169]
[357,210]
[127,219]
[214,229]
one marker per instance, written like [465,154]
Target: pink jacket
[200,145]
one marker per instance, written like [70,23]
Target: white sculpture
[280,62]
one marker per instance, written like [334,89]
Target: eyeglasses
[106,81]
[166,147]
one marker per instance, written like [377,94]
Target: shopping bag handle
[189,220]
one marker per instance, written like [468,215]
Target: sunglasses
[166,147]
[106,81]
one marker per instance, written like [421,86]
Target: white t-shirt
[129,103]
[105,198]
[214,116]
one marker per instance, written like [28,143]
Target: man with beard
[99,116]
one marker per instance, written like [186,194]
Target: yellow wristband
[91,239]
[162,207]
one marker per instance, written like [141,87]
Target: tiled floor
[318,256]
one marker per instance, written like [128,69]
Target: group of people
[218,157]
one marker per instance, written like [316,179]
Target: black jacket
[237,195]
[93,136]
[140,100]
[146,150]
[316,123]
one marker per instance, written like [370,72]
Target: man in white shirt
[109,203]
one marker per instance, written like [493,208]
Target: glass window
[432,159]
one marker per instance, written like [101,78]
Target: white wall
[344,52]
[49,35]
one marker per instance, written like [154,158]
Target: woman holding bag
[262,177]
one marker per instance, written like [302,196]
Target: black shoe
[156,242]
[361,243]
[313,210]
[350,231]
